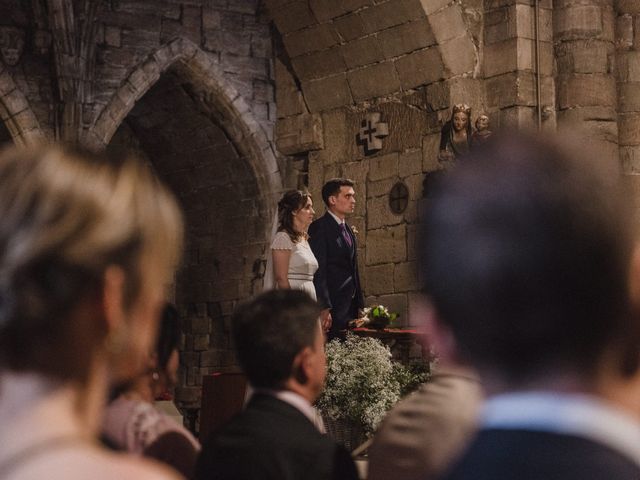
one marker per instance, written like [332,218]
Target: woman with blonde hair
[87,248]
[291,263]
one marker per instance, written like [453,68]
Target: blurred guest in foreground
[428,429]
[525,256]
[132,422]
[87,247]
[280,346]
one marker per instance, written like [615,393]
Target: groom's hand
[325,319]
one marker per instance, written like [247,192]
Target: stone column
[628,61]
[586,84]
[510,62]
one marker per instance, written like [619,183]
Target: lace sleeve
[281,242]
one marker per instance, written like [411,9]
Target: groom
[337,280]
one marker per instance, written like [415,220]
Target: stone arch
[457,49]
[198,67]
[345,53]
[178,110]
[16,112]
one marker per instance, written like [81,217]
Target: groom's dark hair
[270,330]
[332,187]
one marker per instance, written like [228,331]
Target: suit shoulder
[318,223]
[530,455]
[271,444]
[318,228]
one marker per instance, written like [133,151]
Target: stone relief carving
[458,137]
[482,132]
[12,40]
[372,131]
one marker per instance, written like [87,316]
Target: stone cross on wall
[372,132]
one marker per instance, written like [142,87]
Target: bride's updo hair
[290,202]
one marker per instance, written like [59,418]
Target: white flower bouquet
[362,382]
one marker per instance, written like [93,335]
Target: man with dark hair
[337,280]
[526,252]
[280,346]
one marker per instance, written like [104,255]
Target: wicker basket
[345,432]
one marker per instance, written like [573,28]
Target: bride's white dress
[302,263]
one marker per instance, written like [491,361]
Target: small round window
[398,198]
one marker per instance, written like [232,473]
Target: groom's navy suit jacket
[337,280]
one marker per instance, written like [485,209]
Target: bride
[292,263]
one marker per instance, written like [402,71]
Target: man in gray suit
[426,431]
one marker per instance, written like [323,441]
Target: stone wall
[627,42]
[129,33]
[187,85]
[565,65]
[407,60]
[340,54]
[586,82]
[510,63]
[207,125]
[231,101]
[225,212]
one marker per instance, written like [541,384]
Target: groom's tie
[345,234]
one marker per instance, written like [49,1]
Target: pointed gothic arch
[198,68]
[16,112]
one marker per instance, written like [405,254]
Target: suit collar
[330,222]
[268,404]
[334,229]
[335,217]
[298,402]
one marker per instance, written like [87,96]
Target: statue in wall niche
[12,40]
[455,136]
[482,132]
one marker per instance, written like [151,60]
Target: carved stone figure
[371,133]
[12,41]
[482,132]
[455,136]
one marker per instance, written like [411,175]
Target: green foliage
[379,316]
